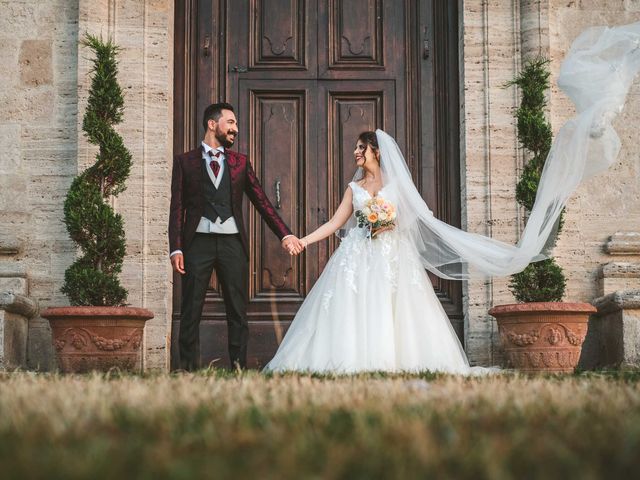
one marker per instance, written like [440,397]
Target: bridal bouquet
[376,215]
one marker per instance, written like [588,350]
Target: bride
[373,307]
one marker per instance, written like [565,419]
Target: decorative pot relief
[574,339]
[80,340]
[554,336]
[553,360]
[522,339]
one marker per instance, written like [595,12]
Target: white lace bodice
[361,195]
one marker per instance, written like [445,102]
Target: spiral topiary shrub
[91,222]
[541,281]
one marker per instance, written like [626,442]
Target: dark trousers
[226,254]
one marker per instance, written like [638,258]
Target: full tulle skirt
[372,309]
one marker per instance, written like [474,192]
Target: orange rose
[373,217]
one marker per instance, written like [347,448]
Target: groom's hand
[177,262]
[293,245]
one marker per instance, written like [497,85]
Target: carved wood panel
[363,39]
[355,34]
[277,36]
[277,148]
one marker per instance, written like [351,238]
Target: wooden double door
[306,77]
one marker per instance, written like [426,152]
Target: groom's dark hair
[214,112]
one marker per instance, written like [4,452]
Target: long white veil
[596,75]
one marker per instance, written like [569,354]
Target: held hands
[294,245]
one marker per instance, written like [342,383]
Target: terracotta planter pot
[544,336]
[97,338]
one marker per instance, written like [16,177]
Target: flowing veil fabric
[596,74]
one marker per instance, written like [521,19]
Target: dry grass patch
[222,425]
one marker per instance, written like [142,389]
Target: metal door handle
[278,204]
[425,45]
[206,46]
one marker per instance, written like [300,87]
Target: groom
[206,231]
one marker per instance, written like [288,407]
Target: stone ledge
[618,276]
[613,302]
[12,270]
[19,304]
[17,285]
[627,243]
[620,270]
[10,245]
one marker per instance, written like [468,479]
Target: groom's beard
[224,139]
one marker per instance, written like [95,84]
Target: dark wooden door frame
[432,131]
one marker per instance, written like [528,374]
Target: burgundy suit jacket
[187,198]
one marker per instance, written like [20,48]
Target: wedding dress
[372,309]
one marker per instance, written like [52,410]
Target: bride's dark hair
[369,138]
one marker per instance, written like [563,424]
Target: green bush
[90,220]
[541,281]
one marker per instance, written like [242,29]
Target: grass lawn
[225,425]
